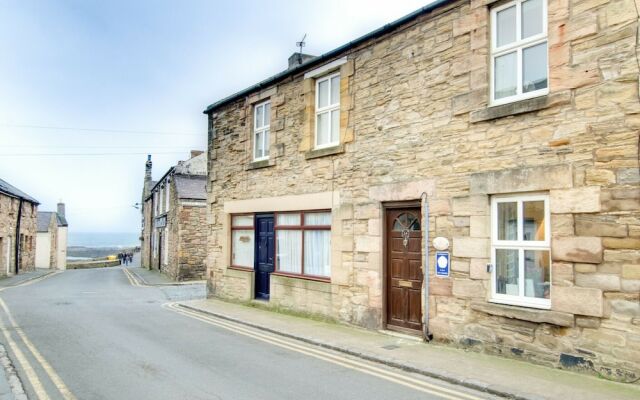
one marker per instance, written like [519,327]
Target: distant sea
[104,239]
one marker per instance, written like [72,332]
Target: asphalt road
[91,334]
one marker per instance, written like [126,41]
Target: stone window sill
[519,107]
[303,277]
[238,268]
[526,314]
[329,151]
[259,164]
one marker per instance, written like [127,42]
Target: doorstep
[517,379]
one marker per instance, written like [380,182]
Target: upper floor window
[328,111]
[167,196]
[520,250]
[519,51]
[261,123]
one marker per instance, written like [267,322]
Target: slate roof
[13,191]
[44,218]
[193,187]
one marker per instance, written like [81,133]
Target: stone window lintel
[526,314]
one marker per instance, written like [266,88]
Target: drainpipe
[17,243]
[425,330]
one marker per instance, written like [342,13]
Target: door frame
[386,207]
[255,252]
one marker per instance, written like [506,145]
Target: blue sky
[122,68]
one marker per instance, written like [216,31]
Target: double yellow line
[358,365]
[132,279]
[22,359]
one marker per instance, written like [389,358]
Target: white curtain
[317,253]
[317,218]
[289,245]
[242,253]
[288,219]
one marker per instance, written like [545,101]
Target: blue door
[264,255]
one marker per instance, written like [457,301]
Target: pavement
[482,372]
[106,334]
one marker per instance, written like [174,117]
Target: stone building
[174,228]
[508,130]
[51,239]
[18,213]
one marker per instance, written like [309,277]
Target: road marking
[48,369]
[132,280]
[32,377]
[31,281]
[385,374]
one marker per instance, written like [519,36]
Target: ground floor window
[242,241]
[303,243]
[520,250]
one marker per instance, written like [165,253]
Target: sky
[88,88]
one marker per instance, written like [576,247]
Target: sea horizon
[103,239]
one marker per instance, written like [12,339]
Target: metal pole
[427,336]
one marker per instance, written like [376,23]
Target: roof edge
[324,57]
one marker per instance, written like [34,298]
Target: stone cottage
[174,229]
[51,239]
[18,213]
[468,173]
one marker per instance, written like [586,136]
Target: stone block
[585,268]
[367,244]
[602,177]
[460,265]
[470,247]
[580,249]
[590,226]
[465,288]
[577,300]
[439,207]
[604,282]
[440,287]
[628,176]
[480,226]
[562,225]
[621,243]
[578,200]
[522,179]
[478,269]
[470,205]
[631,271]
[562,274]
[588,322]
[630,285]
[525,314]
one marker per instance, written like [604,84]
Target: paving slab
[496,375]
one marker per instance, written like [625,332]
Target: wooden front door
[265,251]
[404,269]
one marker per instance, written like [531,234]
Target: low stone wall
[93,264]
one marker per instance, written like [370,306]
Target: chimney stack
[299,59]
[147,177]
[61,209]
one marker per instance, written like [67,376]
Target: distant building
[51,240]
[17,230]
[174,219]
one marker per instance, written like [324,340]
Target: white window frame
[156,209]
[520,245]
[328,109]
[518,45]
[165,256]
[264,129]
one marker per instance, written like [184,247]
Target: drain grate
[390,347]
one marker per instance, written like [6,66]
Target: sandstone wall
[415,119]
[28,227]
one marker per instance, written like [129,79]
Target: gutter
[326,56]
[427,336]
[17,239]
